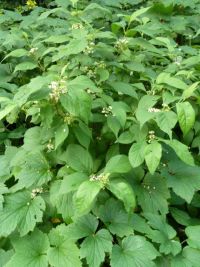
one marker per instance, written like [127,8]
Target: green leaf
[79,158]
[21,212]
[153,153]
[85,197]
[142,113]
[166,121]
[163,235]
[186,116]
[71,182]
[171,81]
[63,252]
[25,66]
[3,190]
[123,191]
[134,251]
[138,13]
[153,193]
[36,168]
[189,91]
[5,256]
[82,227]
[115,218]
[7,110]
[118,164]
[61,134]
[95,246]
[181,151]
[30,250]
[17,53]
[193,233]
[136,153]
[183,179]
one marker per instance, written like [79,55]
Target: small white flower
[153,110]
[76,26]
[33,50]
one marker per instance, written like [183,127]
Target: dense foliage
[100,134]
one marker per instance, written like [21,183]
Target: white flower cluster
[121,44]
[101,64]
[33,50]
[165,107]
[178,60]
[69,118]
[107,111]
[35,192]
[50,146]
[77,26]
[58,88]
[103,178]
[153,110]
[89,48]
[151,136]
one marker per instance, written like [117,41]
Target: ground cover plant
[100,133]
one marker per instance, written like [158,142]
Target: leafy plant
[99,134]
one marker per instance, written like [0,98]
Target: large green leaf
[118,164]
[30,250]
[21,212]
[183,179]
[85,197]
[136,153]
[34,171]
[79,158]
[146,102]
[166,121]
[115,218]
[63,252]
[181,151]
[95,246]
[153,194]
[135,251]
[186,116]
[123,191]
[153,153]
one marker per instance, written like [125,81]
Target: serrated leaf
[166,121]
[63,252]
[30,250]
[61,134]
[153,153]
[79,158]
[95,246]
[35,170]
[189,91]
[115,218]
[85,197]
[153,194]
[71,182]
[183,179]
[138,13]
[142,113]
[171,81]
[193,233]
[181,150]
[5,256]
[136,153]
[135,251]
[20,212]
[123,191]
[186,116]
[6,110]
[25,66]
[118,164]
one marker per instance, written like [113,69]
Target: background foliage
[100,134]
